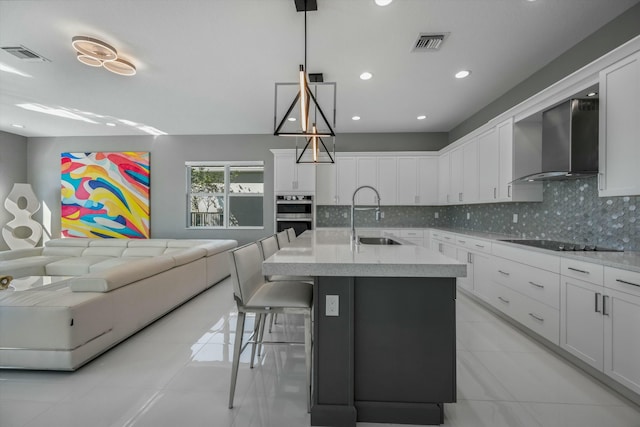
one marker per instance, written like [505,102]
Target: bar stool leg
[237,346]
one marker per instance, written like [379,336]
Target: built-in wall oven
[294,211]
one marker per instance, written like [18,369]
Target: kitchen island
[384,329]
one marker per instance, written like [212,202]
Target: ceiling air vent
[24,54]
[429,42]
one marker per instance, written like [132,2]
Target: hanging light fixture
[310,89]
[96,53]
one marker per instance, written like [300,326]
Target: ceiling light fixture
[421,117]
[19,126]
[366,75]
[591,94]
[306,102]
[462,74]
[96,53]
[383,2]
[355,118]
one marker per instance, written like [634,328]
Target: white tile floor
[176,373]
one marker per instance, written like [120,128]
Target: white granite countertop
[628,260]
[329,253]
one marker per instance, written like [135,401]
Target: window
[225,194]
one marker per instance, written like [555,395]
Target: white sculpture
[22,231]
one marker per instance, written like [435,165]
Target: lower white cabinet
[582,321]
[463,255]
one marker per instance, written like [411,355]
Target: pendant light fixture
[313,125]
[96,53]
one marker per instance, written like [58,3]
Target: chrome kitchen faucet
[354,237]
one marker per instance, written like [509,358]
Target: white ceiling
[209,66]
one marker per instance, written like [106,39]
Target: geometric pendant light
[96,53]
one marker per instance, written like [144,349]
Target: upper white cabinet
[470,187]
[367,171]
[444,179]
[519,155]
[388,180]
[290,177]
[417,182]
[326,184]
[346,179]
[407,181]
[456,176]
[488,161]
[428,180]
[619,174]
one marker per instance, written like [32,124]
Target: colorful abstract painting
[105,195]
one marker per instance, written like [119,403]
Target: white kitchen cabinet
[488,166]
[526,149]
[619,174]
[464,255]
[291,177]
[470,187]
[581,322]
[413,235]
[621,315]
[326,184]
[444,179]
[428,180]
[407,181]
[346,179]
[367,174]
[483,284]
[387,180]
[456,176]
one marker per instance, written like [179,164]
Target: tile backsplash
[570,211]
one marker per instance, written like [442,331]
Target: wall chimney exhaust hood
[569,141]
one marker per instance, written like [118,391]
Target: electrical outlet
[468,215]
[344,215]
[382,214]
[326,214]
[515,218]
[332,306]
[436,215]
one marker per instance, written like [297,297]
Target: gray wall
[168,177]
[611,35]
[13,168]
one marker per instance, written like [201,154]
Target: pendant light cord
[305,36]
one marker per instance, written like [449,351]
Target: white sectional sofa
[118,286]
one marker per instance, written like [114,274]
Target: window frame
[226,195]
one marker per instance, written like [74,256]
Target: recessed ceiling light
[356,118]
[366,75]
[16,125]
[292,119]
[383,2]
[111,124]
[462,74]
[422,117]
[592,94]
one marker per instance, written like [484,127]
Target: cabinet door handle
[600,181]
[506,301]
[462,241]
[536,285]
[504,273]
[448,238]
[508,191]
[604,305]
[538,318]
[480,246]
[578,270]
[597,308]
[627,283]
[416,199]
[440,247]
[447,198]
[460,197]
[469,259]
[495,191]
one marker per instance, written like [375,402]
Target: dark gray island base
[390,355]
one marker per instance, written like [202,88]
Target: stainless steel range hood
[569,141]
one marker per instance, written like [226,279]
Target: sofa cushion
[66,242]
[146,243]
[112,251]
[121,243]
[62,251]
[30,266]
[187,255]
[143,252]
[108,280]
[20,253]
[212,246]
[111,263]
[73,266]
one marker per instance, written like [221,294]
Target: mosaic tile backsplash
[570,211]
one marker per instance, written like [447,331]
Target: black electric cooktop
[554,245]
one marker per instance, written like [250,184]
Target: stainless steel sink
[377,241]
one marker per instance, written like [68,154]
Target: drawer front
[504,299]
[540,285]
[529,257]
[472,244]
[592,273]
[412,233]
[538,317]
[622,280]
